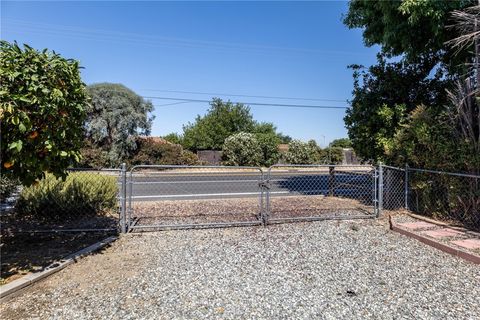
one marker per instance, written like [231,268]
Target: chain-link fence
[317,192]
[152,197]
[174,197]
[47,221]
[446,196]
[393,188]
[86,200]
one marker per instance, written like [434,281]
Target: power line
[170,104]
[253,103]
[246,96]
[155,40]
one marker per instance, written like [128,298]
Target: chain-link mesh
[85,200]
[165,197]
[445,196]
[313,192]
[393,188]
[54,218]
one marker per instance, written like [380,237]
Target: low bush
[81,194]
[152,152]
[242,149]
[302,153]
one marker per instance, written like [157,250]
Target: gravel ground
[243,209]
[323,270]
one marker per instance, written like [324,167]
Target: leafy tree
[416,29]
[242,149]
[221,121]
[174,138]
[341,143]
[93,156]
[115,117]
[268,143]
[264,128]
[384,94]
[284,138]
[331,155]
[42,101]
[302,153]
[422,142]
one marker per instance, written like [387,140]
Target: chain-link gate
[176,197]
[320,192]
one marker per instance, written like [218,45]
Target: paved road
[197,185]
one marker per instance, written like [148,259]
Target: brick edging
[437,245]
[32,278]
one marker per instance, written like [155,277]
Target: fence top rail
[466,175]
[393,168]
[95,170]
[321,166]
[236,168]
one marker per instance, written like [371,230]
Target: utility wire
[253,103]
[171,104]
[155,40]
[243,95]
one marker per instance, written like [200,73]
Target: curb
[32,278]
[443,224]
[437,245]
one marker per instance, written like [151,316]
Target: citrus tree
[42,109]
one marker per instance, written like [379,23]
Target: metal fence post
[380,189]
[266,214]
[406,186]
[123,215]
[331,181]
[375,193]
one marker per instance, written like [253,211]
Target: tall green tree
[42,109]
[341,143]
[222,120]
[115,117]
[174,138]
[415,34]
[415,29]
[383,96]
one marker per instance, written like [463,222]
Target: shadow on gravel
[29,245]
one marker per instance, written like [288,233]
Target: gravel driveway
[322,270]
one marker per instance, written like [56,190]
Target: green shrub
[269,148]
[331,155]
[242,149]
[7,187]
[153,152]
[81,194]
[302,153]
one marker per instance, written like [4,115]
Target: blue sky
[284,49]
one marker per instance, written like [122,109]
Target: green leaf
[22,128]
[63,154]
[16,145]
[25,99]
